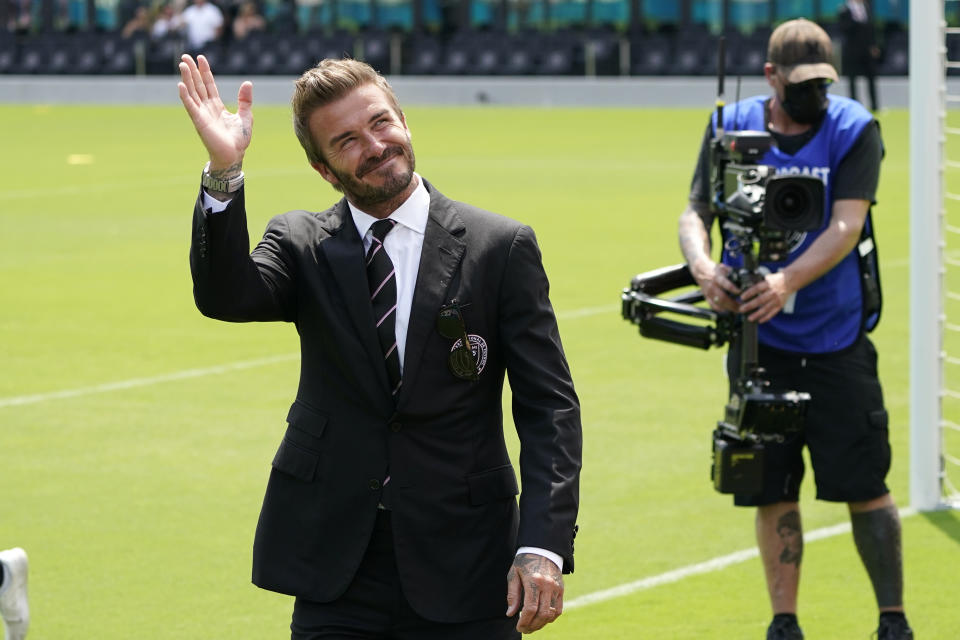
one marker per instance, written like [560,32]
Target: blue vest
[827,314]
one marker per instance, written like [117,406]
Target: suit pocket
[492,484]
[306,426]
[296,461]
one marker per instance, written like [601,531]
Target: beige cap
[802,50]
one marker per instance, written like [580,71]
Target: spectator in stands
[19,18]
[139,24]
[248,19]
[168,21]
[203,24]
[860,51]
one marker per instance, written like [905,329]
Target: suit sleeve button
[374,484]
[395,426]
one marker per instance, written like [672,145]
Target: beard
[395,181]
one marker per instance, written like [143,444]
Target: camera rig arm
[641,306]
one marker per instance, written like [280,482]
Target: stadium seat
[321,45]
[86,61]
[610,12]
[567,13]
[296,63]
[896,59]
[604,47]
[214,53]
[393,14]
[9,57]
[519,56]
[558,57]
[354,14]
[118,56]
[46,54]
[694,54]
[456,59]
[423,55]
[279,53]
[236,60]
[164,55]
[650,54]
[486,61]
[375,49]
[746,55]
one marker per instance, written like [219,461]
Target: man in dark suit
[390,511]
[860,51]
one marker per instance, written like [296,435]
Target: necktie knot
[381,228]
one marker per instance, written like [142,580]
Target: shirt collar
[412,213]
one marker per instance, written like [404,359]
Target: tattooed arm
[535,589]
[712,277]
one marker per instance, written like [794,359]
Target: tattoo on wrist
[226,174]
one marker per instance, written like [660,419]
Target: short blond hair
[327,82]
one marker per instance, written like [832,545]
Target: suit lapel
[344,253]
[439,260]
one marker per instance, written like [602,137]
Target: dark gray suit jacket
[456,522]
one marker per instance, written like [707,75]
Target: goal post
[930,237]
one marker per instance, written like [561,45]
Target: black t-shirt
[855,178]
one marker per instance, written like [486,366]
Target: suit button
[395,426]
[374,484]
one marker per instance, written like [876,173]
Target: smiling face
[366,150]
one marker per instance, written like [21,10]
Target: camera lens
[792,202]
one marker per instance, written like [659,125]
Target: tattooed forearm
[226,174]
[791,535]
[694,235]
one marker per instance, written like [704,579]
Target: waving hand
[226,135]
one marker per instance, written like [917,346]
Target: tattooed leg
[780,538]
[876,532]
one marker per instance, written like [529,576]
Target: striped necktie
[383,298]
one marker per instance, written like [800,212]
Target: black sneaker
[781,629]
[894,629]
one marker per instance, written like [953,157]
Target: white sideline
[15,401]
[144,382]
[714,564]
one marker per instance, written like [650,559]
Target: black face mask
[805,102]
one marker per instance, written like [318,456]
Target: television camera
[759,211]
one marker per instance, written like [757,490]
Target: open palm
[226,135]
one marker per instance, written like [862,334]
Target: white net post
[927,130]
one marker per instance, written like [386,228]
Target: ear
[403,119]
[769,71]
[325,173]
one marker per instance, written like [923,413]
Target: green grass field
[137,502]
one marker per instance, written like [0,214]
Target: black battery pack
[737,464]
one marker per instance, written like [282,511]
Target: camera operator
[811,313]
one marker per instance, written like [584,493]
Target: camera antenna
[736,111]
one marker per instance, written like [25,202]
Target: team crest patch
[459,362]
